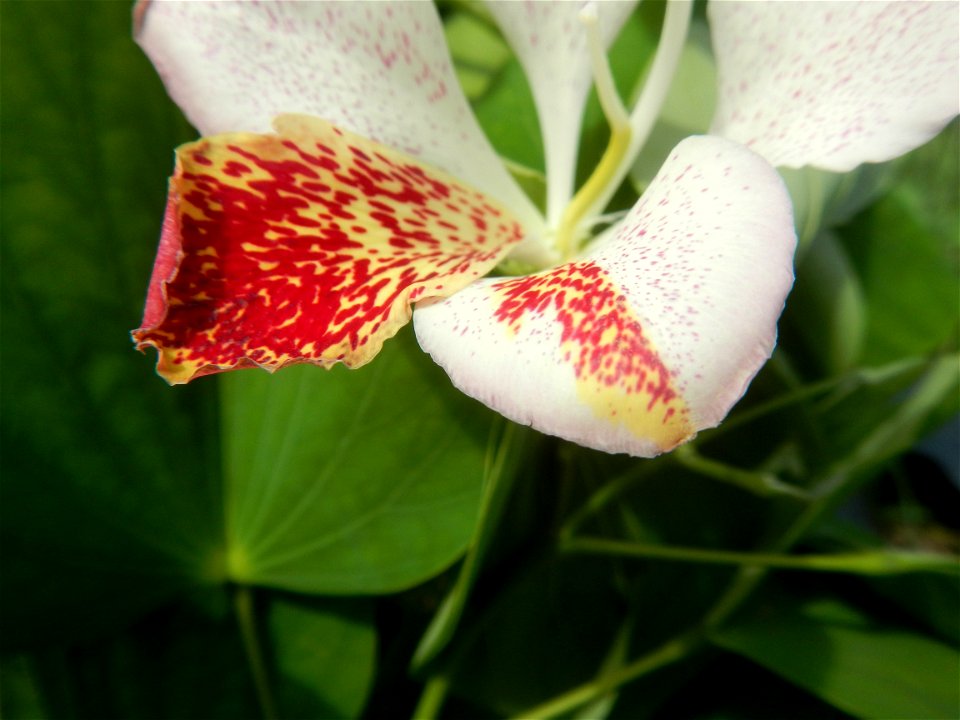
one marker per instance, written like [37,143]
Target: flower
[311,243]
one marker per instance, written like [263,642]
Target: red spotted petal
[655,332]
[306,246]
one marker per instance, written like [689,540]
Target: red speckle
[603,339]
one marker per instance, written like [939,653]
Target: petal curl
[834,84]
[379,69]
[655,333]
[306,246]
[551,43]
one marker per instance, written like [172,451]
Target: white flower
[311,244]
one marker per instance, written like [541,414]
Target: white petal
[835,84]
[551,44]
[655,333]
[378,69]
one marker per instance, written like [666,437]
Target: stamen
[676,23]
[627,134]
[607,93]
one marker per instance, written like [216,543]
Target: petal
[551,44]
[834,84]
[306,246]
[378,69]
[655,333]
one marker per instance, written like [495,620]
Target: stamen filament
[627,134]
[569,234]
[676,23]
[613,107]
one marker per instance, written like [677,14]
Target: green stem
[940,380]
[860,563]
[246,618]
[760,483]
[667,653]
[603,497]
[569,233]
[862,376]
[505,444]
[431,700]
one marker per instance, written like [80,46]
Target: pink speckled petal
[551,44]
[834,84]
[652,335]
[378,69]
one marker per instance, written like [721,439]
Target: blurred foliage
[285,546]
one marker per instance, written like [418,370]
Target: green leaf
[509,118]
[874,425]
[906,252]
[828,307]
[110,483]
[22,697]
[180,661]
[932,599]
[549,630]
[719,686]
[350,481]
[835,652]
[323,655]
[478,52]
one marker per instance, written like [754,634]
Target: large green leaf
[109,494]
[868,669]
[323,654]
[350,481]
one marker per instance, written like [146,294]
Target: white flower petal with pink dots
[551,43]
[655,332]
[834,84]
[379,69]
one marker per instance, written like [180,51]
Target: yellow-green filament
[572,226]
[627,132]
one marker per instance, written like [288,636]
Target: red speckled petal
[306,246]
[378,69]
[551,43]
[834,84]
[651,336]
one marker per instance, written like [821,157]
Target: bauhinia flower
[342,181]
